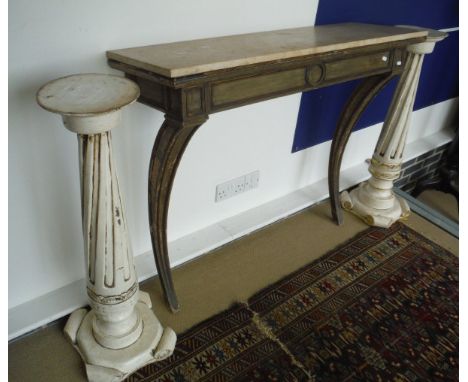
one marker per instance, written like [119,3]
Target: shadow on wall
[319,109]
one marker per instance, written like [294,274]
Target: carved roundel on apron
[315,74]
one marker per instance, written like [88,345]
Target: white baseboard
[58,303]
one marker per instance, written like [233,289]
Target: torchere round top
[87,94]
[433,35]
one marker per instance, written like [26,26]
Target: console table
[190,80]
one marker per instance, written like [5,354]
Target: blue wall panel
[319,109]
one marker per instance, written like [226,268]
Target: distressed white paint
[374,200]
[120,333]
[88,95]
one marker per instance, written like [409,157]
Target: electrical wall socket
[237,186]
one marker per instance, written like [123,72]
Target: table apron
[209,94]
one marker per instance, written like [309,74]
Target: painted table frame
[187,102]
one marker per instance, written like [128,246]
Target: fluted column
[120,333]
[111,281]
[374,200]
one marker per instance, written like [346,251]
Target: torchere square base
[106,365]
[373,216]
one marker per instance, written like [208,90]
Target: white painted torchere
[120,333]
[374,200]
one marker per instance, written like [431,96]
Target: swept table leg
[374,200]
[355,106]
[170,144]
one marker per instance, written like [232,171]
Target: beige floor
[444,203]
[212,283]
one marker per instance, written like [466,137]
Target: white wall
[53,38]
[49,39]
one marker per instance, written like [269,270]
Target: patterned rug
[381,307]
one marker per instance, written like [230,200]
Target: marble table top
[198,56]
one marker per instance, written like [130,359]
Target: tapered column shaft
[386,162]
[374,200]
[111,281]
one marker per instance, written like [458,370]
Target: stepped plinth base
[385,217]
[106,365]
